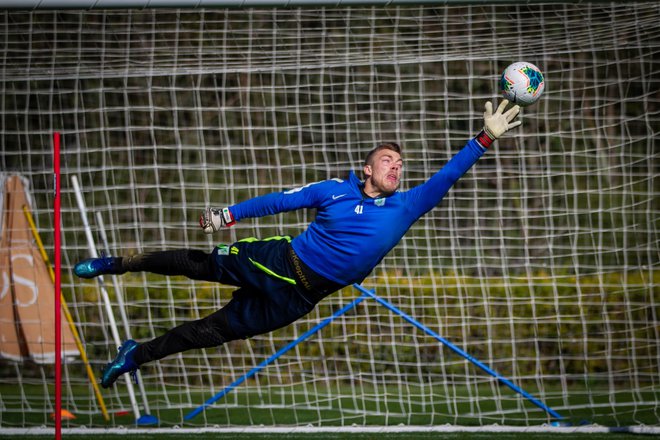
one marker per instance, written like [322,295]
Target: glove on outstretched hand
[498,123]
[214,219]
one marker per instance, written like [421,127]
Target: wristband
[228,217]
[484,139]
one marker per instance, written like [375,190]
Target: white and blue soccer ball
[522,83]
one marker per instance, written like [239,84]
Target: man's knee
[216,327]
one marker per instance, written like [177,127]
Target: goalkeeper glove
[213,219]
[498,123]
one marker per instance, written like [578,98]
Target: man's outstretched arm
[308,196]
[426,196]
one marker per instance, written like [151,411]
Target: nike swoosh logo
[338,197]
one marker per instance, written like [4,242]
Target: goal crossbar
[244,4]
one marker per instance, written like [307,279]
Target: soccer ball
[522,83]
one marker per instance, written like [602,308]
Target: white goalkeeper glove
[498,123]
[214,219]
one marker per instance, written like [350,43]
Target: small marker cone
[147,419]
[64,414]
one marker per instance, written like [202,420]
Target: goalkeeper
[280,279]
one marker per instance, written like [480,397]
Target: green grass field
[245,408]
[356,436]
[251,409]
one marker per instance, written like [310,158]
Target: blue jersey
[352,232]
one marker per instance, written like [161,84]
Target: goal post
[542,262]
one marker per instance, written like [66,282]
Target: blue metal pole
[460,352]
[271,359]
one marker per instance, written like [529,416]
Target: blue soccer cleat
[122,363]
[93,267]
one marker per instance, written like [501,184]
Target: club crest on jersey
[380,201]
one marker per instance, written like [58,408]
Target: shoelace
[105,263]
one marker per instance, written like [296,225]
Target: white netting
[541,262]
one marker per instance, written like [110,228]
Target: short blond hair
[393,146]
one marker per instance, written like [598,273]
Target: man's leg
[194,264]
[267,301]
[248,313]
[207,332]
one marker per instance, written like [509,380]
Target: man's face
[383,173]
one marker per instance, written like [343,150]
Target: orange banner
[27,293]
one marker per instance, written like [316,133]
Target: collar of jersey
[358,186]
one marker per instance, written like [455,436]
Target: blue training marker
[460,352]
[370,293]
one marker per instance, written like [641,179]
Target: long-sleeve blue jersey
[351,232]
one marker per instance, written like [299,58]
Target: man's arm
[308,196]
[425,197]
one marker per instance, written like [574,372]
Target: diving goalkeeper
[281,279]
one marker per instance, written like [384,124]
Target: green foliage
[522,327]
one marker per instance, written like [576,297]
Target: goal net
[542,262]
